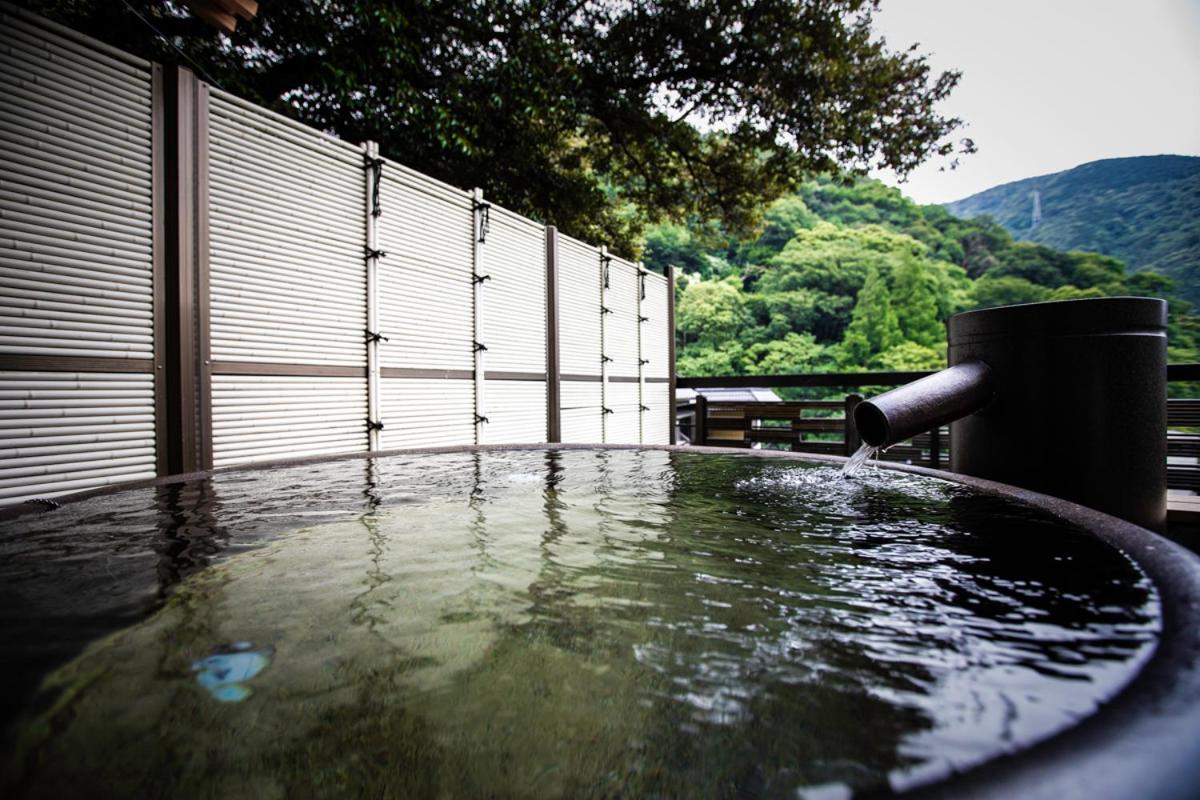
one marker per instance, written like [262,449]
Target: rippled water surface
[527,624]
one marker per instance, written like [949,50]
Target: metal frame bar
[418,373]
[553,376]
[671,377]
[295,370]
[19,363]
[203,291]
[478,239]
[162,431]
[638,287]
[604,266]
[495,375]
[371,151]
[179,218]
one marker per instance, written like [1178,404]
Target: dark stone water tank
[1080,410]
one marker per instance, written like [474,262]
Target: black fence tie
[372,425]
[481,278]
[372,253]
[643,361]
[605,310]
[643,319]
[606,410]
[375,164]
[481,419]
[485,220]
[604,359]
[644,408]
[373,337]
[480,347]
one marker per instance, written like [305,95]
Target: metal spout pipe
[925,404]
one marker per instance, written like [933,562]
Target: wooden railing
[826,426]
[1183,445]
[803,426]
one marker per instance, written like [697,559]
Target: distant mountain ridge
[1144,210]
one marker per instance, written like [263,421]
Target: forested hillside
[854,277]
[1144,211]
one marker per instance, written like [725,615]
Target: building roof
[728,395]
[223,14]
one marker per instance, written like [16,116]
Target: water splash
[864,453]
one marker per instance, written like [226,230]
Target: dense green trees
[595,116]
[712,312]
[854,276]
[874,326]
[917,294]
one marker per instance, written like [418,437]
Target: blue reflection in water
[226,672]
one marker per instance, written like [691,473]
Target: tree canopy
[852,276]
[597,116]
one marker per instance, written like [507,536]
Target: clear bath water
[582,623]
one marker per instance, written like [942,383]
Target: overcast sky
[1050,84]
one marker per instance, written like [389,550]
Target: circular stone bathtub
[571,621]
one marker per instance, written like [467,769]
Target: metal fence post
[553,371]
[371,152]
[671,406]
[641,348]
[165,439]
[204,395]
[604,359]
[480,220]
[184,206]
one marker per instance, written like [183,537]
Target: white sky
[1051,84]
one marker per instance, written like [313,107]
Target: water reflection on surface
[579,623]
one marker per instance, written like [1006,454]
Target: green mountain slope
[1144,211]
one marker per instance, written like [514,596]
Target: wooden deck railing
[803,426]
[826,426]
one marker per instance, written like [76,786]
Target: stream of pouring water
[864,453]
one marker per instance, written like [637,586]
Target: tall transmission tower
[1037,209]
